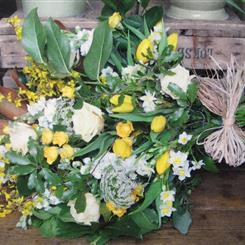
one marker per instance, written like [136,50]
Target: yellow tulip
[68,92]
[173,40]
[60,138]
[158,124]
[47,136]
[67,152]
[143,50]
[51,154]
[115,20]
[162,163]
[124,129]
[126,107]
[123,147]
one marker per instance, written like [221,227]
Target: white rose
[91,212]
[181,78]
[88,121]
[19,137]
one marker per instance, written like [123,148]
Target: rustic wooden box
[198,39]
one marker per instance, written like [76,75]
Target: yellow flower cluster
[115,20]
[9,199]
[116,211]
[127,105]
[123,147]
[17,101]
[15,22]
[51,153]
[41,81]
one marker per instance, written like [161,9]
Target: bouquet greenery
[107,146]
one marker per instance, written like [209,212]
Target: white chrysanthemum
[88,121]
[184,138]
[181,78]
[182,172]
[178,159]
[197,165]
[20,133]
[91,213]
[37,107]
[148,101]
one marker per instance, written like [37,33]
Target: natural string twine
[222,96]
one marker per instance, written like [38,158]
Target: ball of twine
[222,96]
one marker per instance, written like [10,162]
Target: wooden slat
[218,218]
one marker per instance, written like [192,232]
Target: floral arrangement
[104,144]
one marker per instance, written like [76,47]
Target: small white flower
[167,196]
[167,209]
[184,138]
[182,172]
[181,78]
[155,36]
[178,159]
[20,133]
[148,101]
[197,165]
[91,213]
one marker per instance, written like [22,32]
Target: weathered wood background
[218,218]
[198,39]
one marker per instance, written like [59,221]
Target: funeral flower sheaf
[107,143]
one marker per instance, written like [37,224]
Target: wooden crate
[198,39]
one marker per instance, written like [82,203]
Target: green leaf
[49,228]
[23,187]
[79,104]
[18,159]
[146,220]
[50,177]
[177,91]
[58,50]
[150,196]
[210,165]
[144,3]
[116,61]
[95,145]
[35,182]
[129,53]
[182,222]
[146,29]
[41,214]
[143,148]
[99,52]
[21,170]
[80,204]
[34,37]
[136,32]
[192,92]
[153,15]
[105,212]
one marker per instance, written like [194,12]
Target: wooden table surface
[218,218]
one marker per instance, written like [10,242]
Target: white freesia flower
[181,78]
[148,101]
[197,165]
[178,159]
[20,133]
[37,107]
[167,196]
[182,172]
[91,213]
[184,138]
[88,121]
[167,209]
